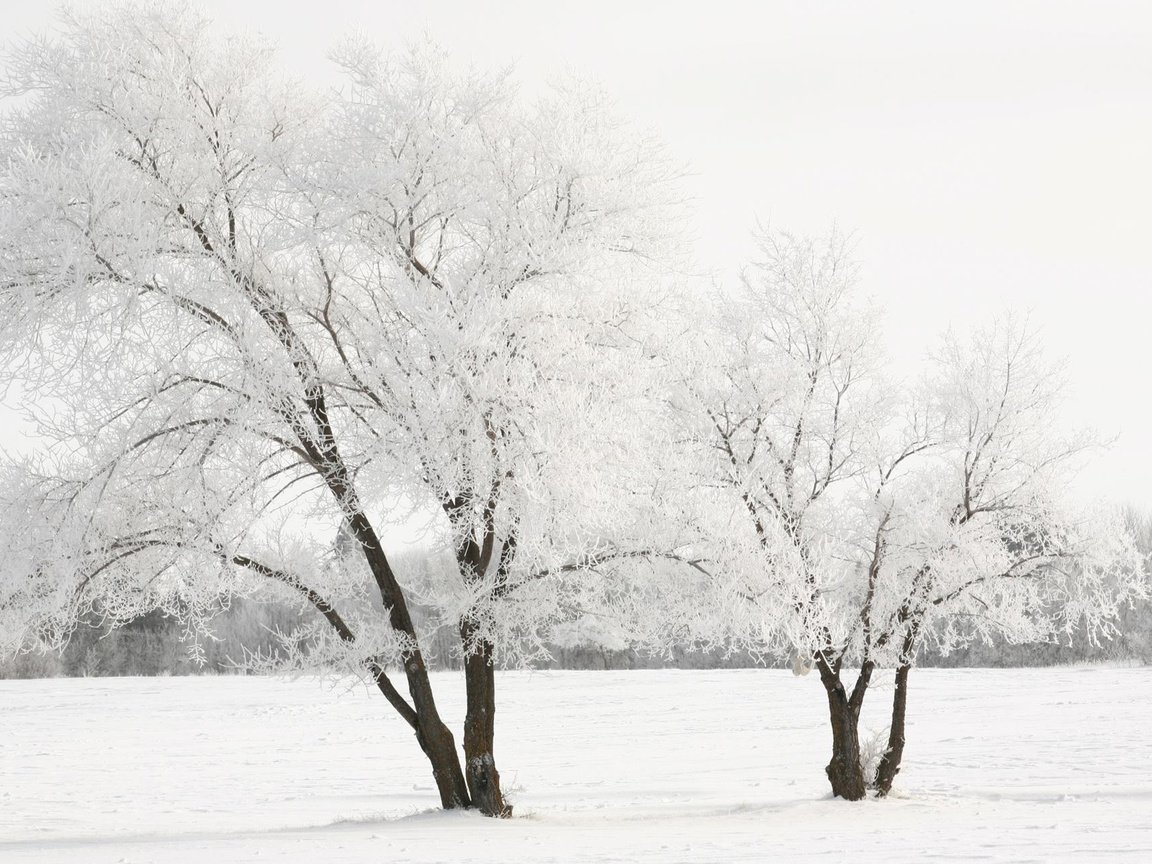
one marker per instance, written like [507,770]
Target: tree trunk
[434,737]
[319,444]
[439,746]
[890,764]
[844,770]
[480,725]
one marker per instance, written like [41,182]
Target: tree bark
[433,735]
[474,557]
[890,763]
[844,770]
[439,746]
[480,725]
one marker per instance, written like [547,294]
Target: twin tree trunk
[479,785]
[845,772]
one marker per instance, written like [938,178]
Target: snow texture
[658,766]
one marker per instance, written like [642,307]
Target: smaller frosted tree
[780,409]
[866,521]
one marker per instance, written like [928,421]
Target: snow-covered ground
[1002,765]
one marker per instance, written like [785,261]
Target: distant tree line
[155,644]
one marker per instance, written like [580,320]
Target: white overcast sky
[988,156]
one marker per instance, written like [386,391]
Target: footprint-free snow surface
[1001,765]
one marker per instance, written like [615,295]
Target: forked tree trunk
[844,770]
[480,726]
[890,763]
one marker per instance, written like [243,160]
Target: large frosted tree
[259,325]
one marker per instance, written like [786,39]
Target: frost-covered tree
[259,326]
[787,417]
[864,520]
[778,411]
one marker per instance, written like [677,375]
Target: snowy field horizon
[642,766]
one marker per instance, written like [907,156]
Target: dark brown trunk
[439,746]
[480,725]
[318,444]
[434,737]
[474,558]
[890,764]
[844,770]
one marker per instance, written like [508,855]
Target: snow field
[653,766]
